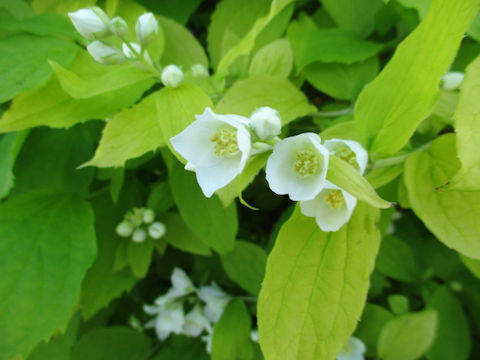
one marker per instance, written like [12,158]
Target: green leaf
[217,226]
[181,47]
[108,78]
[347,177]
[356,16]
[179,236]
[390,108]
[53,107]
[140,256]
[19,9]
[472,264]
[62,7]
[247,95]
[245,265]
[115,342]
[231,335]
[452,216]
[51,242]
[384,175]
[407,337]
[179,10]
[27,61]
[50,158]
[452,339]
[59,346]
[102,283]
[184,349]
[341,81]
[373,320]
[399,304]
[329,46]
[160,198]
[177,107]
[45,24]
[467,128]
[10,146]
[274,59]
[316,285]
[396,260]
[130,134]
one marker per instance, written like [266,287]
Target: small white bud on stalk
[146,28]
[139,235]
[91,23]
[265,122]
[105,54]
[118,27]
[148,216]
[172,76]
[131,55]
[157,230]
[199,71]
[452,80]
[124,229]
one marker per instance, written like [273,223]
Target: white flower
[207,339]
[139,235]
[332,207]
[199,70]
[170,320]
[124,229]
[352,350]
[118,27]
[452,80]
[91,23]
[265,122]
[350,151]
[298,167]
[196,322]
[146,28]
[157,230]
[216,300]
[181,285]
[104,53]
[172,76]
[148,215]
[216,146]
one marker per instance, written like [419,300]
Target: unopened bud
[139,235]
[92,23]
[148,216]
[146,28]
[138,49]
[157,230]
[452,80]
[124,229]
[172,76]
[105,53]
[118,27]
[199,70]
[265,122]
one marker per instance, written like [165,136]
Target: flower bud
[139,235]
[146,28]
[92,23]
[105,54]
[157,230]
[452,80]
[200,71]
[124,229]
[131,55]
[118,27]
[148,216]
[265,122]
[172,76]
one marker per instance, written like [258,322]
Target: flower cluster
[205,304]
[218,147]
[139,224]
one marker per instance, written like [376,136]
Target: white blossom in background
[352,350]
[215,301]
[331,208]
[181,285]
[170,318]
[105,54]
[298,167]
[146,28]
[207,339]
[124,229]
[134,225]
[254,335]
[196,322]
[216,146]
[139,235]
[157,230]
[350,151]
[148,216]
[452,80]
[172,76]
[92,23]
[199,71]
[266,123]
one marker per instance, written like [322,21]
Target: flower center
[335,198]
[306,163]
[345,153]
[225,143]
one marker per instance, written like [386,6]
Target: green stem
[346,111]
[141,59]
[397,159]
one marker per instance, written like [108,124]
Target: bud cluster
[139,224]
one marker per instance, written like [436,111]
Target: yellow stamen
[306,163]
[225,143]
[335,198]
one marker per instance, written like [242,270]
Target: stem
[397,159]
[141,59]
[346,111]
